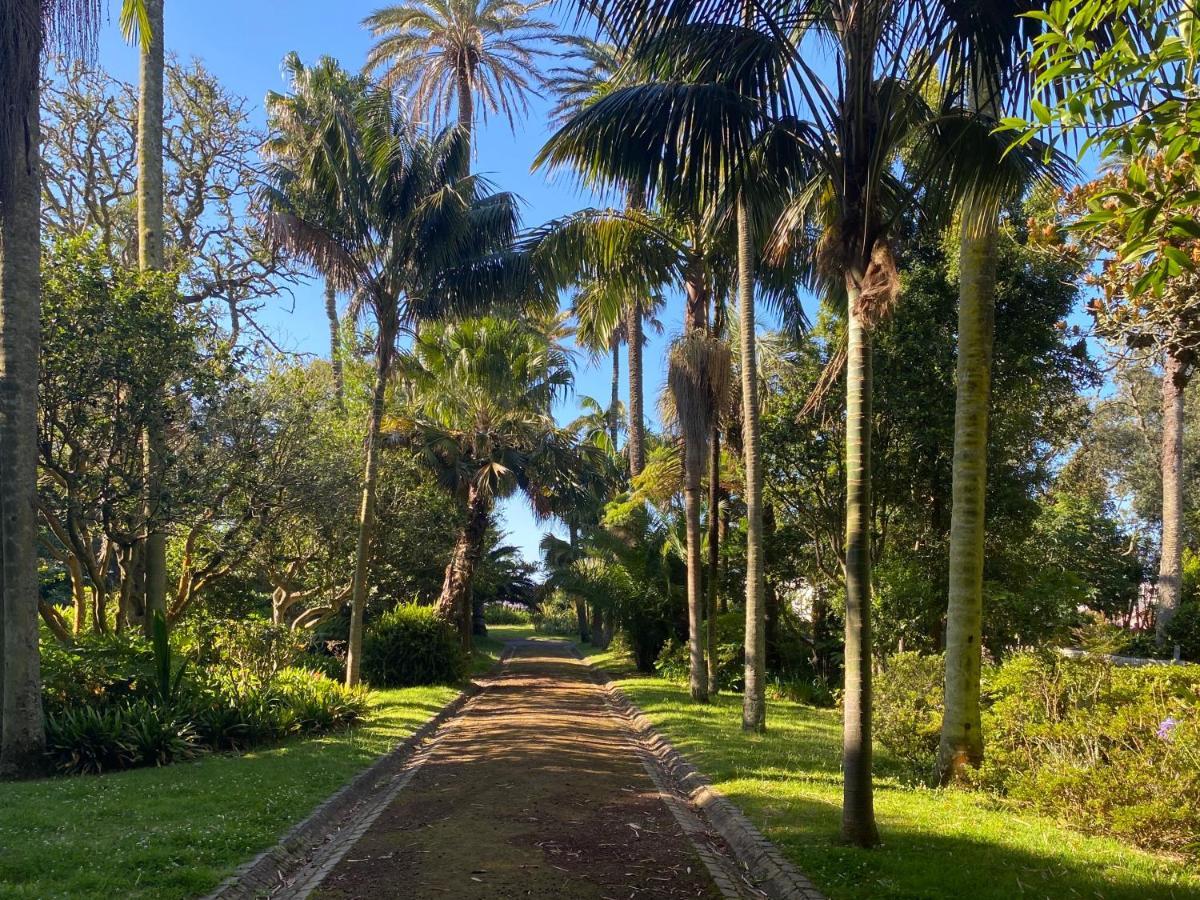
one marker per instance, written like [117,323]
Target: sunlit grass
[177,831]
[936,844]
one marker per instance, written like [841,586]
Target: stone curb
[764,864]
[267,872]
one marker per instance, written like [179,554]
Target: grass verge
[176,832]
[936,844]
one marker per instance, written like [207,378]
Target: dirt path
[532,791]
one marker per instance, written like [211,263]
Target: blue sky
[243,44]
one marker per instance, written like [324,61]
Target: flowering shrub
[1103,748]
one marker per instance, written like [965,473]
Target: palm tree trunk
[1170,565]
[858,806]
[637,427]
[754,701]
[714,553]
[335,342]
[366,523]
[962,736]
[150,257]
[693,463]
[22,737]
[614,417]
[466,112]
[454,603]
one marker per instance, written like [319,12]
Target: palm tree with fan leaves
[386,213]
[461,54]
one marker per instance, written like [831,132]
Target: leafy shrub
[331,666]
[673,662]
[908,708]
[319,703]
[1103,748]
[556,616]
[90,740]
[116,702]
[1184,630]
[1106,748]
[506,614]
[412,645]
[250,650]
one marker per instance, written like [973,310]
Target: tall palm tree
[591,74]
[992,37]
[444,52]
[314,93]
[478,411]
[25,26]
[385,213]
[152,65]
[755,85]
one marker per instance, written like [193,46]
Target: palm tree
[152,63]
[386,214]
[590,76]
[24,28]
[992,38]
[753,81]
[478,412]
[440,52]
[295,119]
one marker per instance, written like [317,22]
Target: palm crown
[442,52]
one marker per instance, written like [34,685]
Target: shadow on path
[532,791]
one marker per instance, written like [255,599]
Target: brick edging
[761,859]
[266,872]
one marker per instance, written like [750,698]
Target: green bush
[411,645]
[556,616]
[506,614]
[1103,748]
[1184,630]
[116,703]
[91,740]
[673,662]
[908,708]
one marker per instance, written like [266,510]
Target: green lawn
[935,844]
[177,831]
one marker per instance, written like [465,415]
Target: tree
[213,240]
[478,399]
[440,52]
[317,92]
[386,214]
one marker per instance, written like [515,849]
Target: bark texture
[366,526]
[21,731]
[454,602]
[150,257]
[335,342]
[754,701]
[858,804]
[714,554]
[1170,564]
[962,737]
[637,426]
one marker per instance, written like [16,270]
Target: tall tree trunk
[614,403]
[1170,565]
[454,602]
[335,342]
[962,736]
[366,519]
[858,806]
[21,730]
[637,424]
[754,700]
[150,257]
[597,627]
[714,553]
[693,464]
[466,113]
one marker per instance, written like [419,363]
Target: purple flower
[1166,726]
